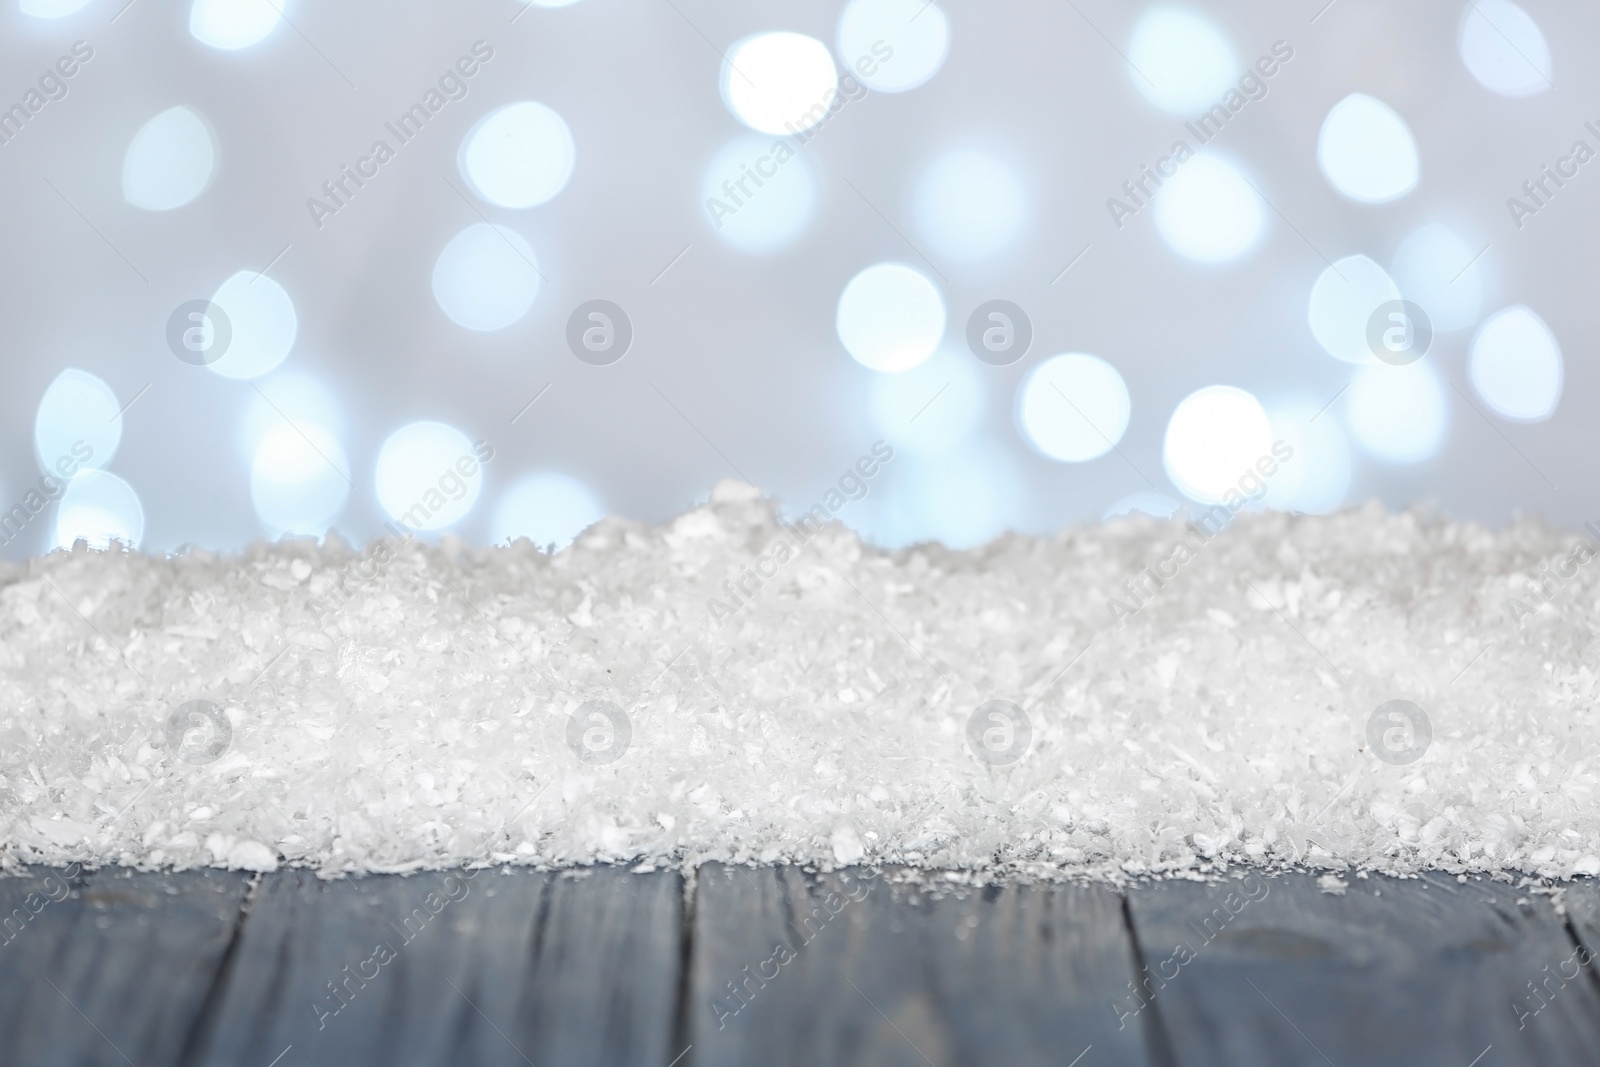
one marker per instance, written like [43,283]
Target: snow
[666,695]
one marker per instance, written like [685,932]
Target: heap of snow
[729,687]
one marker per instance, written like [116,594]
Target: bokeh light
[1366,150]
[1182,62]
[1315,479]
[264,325]
[518,156]
[1397,414]
[1214,439]
[1516,365]
[969,206]
[169,162]
[428,476]
[1504,49]
[1435,269]
[1074,407]
[486,278]
[932,408]
[299,479]
[759,194]
[891,317]
[1208,211]
[231,24]
[77,420]
[780,82]
[547,509]
[288,395]
[902,43]
[51,9]
[99,508]
[963,499]
[899,163]
[1343,300]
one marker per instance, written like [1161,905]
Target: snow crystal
[1355,692]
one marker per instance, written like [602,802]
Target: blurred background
[275,267]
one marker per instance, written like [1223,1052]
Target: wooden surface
[795,969]
[1409,973]
[444,969]
[776,966]
[110,969]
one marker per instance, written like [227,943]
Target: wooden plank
[453,968]
[795,968]
[1404,972]
[1581,900]
[112,967]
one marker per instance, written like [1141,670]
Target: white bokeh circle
[99,508]
[1397,414]
[1074,407]
[547,509]
[893,45]
[420,480]
[891,317]
[486,277]
[1208,212]
[77,423]
[299,479]
[1366,150]
[519,155]
[169,162]
[1181,60]
[233,24]
[1516,366]
[1343,300]
[263,322]
[1504,49]
[780,82]
[1214,439]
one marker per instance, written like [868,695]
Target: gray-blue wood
[1582,966]
[452,969]
[113,968]
[152,970]
[1407,973]
[848,968]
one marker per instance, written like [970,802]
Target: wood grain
[1403,972]
[847,968]
[781,966]
[112,968]
[492,968]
